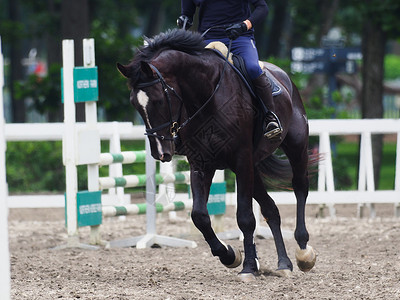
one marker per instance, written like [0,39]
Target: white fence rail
[326,193]
[37,132]
[366,193]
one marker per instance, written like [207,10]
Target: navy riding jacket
[224,12]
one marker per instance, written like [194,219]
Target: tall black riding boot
[263,90]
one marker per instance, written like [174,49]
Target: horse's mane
[175,39]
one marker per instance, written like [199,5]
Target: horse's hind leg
[200,183]
[296,149]
[271,214]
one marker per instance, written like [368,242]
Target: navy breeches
[246,48]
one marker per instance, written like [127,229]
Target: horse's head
[158,104]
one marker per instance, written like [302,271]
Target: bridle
[173,123]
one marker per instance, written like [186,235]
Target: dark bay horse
[193,103]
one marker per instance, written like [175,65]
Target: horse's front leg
[246,220]
[200,184]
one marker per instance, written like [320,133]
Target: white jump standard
[81,146]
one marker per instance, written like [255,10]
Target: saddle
[239,66]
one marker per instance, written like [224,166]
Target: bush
[392,67]
[37,166]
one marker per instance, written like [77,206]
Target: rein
[174,124]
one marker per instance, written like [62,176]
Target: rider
[234,20]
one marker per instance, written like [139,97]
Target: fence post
[366,173]
[5,282]
[71,175]
[397,178]
[325,171]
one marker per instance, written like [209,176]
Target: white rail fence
[325,195]
[113,132]
[365,193]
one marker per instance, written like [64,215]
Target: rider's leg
[245,47]
[262,88]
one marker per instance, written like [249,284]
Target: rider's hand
[184,22]
[235,30]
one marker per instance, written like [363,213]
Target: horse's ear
[126,71]
[146,69]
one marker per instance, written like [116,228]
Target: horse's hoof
[238,258]
[305,258]
[246,277]
[285,273]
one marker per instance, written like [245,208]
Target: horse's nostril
[165,157]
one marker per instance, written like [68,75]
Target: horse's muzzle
[165,157]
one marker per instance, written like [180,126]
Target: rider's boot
[262,88]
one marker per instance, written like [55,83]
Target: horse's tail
[277,171]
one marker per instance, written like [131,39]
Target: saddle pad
[238,63]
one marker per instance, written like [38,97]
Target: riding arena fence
[5,281]
[89,133]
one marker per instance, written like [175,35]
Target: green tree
[378,21]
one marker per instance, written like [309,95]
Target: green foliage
[392,67]
[35,166]
[346,163]
[44,91]
[112,28]
[384,14]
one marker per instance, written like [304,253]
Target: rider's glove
[235,30]
[184,22]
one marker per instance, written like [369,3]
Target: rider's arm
[259,13]
[188,8]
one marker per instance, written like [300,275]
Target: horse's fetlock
[219,251]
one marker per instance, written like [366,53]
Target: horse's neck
[199,78]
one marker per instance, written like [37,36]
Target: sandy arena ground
[357,259]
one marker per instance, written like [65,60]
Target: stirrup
[276,124]
[275,132]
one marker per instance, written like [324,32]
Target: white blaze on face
[143,101]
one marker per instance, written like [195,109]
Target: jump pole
[151,237]
[5,281]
